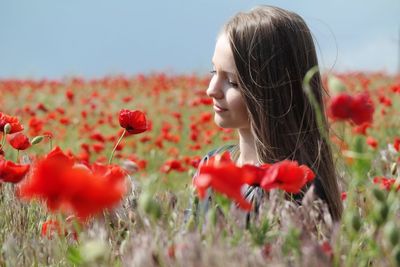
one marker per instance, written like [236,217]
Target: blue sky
[93,38]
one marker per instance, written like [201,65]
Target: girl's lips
[219,109]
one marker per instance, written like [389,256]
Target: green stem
[115,147]
[51,143]
[313,101]
[17,159]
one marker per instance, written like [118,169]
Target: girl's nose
[214,89]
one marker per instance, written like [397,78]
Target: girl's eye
[231,83]
[234,84]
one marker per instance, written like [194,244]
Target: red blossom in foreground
[68,186]
[134,122]
[11,172]
[16,126]
[19,141]
[359,108]
[221,174]
[288,176]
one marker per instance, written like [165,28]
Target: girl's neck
[247,148]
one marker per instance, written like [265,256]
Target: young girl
[260,60]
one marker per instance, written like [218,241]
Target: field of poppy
[98,173]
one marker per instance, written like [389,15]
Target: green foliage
[259,233]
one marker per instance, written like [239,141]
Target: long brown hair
[273,50]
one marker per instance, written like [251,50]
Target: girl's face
[229,106]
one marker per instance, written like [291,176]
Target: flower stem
[314,103]
[51,143]
[115,147]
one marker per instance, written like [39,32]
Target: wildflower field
[86,181]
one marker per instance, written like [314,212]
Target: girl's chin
[222,123]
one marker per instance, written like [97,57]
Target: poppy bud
[37,140]
[335,85]
[7,128]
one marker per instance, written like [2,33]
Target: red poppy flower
[68,186]
[19,141]
[205,117]
[35,126]
[42,107]
[340,107]
[11,172]
[256,174]
[359,108]
[98,147]
[133,121]
[97,136]
[16,126]
[288,176]
[217,179]
[397,143]
[362,109]
[385,183]
[172,164]
[385,101]
[70,95]
[372,142]
[223,176]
